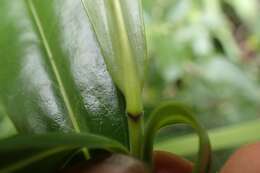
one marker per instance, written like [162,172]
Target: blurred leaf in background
[206,53]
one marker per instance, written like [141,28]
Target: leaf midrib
[53,65]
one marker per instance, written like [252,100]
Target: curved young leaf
[174,113]
[52,74]
[21,152]
[119,29]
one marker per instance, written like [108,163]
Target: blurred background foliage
[205,53]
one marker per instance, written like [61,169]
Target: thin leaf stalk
[130,80]
[136,133]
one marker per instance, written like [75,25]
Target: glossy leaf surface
[22,152]
[119,29]
[174,113]
[52,74]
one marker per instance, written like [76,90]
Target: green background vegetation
[206,53]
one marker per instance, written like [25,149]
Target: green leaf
[23,152]
[174,113]
[220,138]
[52,74]
[119,29]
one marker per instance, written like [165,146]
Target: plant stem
[135,126]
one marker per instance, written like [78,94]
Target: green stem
[135,126]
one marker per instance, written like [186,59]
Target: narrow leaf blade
[119,29]
[25,151]
[171,113]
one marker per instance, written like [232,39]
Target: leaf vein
[54,66]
